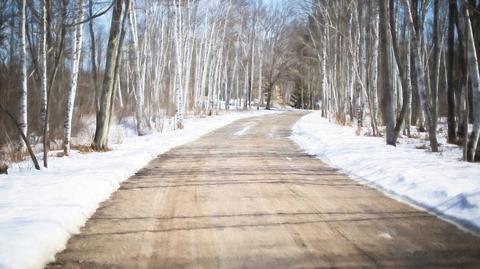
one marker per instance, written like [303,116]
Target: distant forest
[382,66]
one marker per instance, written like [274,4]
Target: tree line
[385,66]
[62,61]
[398,64]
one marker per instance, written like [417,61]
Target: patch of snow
[242,131]
[245,129]
[40,210]
[385,235]
[438,182]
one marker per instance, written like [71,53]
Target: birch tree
[77,38]
[404,75]
[474,74]
[139,90]
[363,68]
[22,105]
[43,64]
[260,72]
[420,77]
[436,40]
[374,70]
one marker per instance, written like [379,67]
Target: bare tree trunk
[118,57]
[269,95]
[103,115]
[473,70]
[404,76]
[408,116]
[139,90]
[374,70]
[77,39]
[419,67]
[323,73]
[206,61]
[463,103]
[452,126]
[93,58]
[233,77]
[363,68]
[246,88]
[252,61]
[436,62]
[387,63]
[22,105]
[260,74]
[43,66]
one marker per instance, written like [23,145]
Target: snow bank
[438,182]
[40,210]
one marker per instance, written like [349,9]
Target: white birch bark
[179,54]
[408,115]
[226,81]
[245,86]
[216,85]
[220,55]
[234,78]
[260,72]
[252,60]
[362,66]
[22,105]
[139,91]
[191,42]
[43,66]
[474,75]
[420,70]
[200,63]
[206,59]
[374,25]
[323,74]
[120,94]
[77,38]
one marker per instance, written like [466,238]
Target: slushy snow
[437,182]
[40,210]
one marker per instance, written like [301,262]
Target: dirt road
[246,197]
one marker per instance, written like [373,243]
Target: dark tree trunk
[436,62]
[269,96]
[102,130]
[93,56]
[452,125]
[388,109]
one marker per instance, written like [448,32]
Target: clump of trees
[61,61]
[402,63]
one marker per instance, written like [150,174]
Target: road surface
[245,196]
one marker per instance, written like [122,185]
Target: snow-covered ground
[40,210]
[438,182]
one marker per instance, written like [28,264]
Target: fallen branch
[30,151]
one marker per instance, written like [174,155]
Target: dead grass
[85,149]
[3,168]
